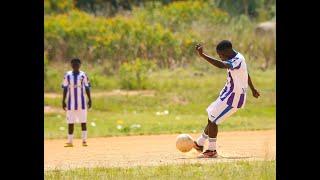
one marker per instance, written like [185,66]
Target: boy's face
[75,66]
[223,55]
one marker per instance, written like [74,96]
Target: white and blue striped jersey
[234,91]
[76,85]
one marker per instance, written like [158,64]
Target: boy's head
[75,64]
[224,50]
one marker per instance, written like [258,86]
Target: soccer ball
[184,142]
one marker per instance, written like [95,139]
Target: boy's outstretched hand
[255,93]
[64,105]
[89,104]
[199,48]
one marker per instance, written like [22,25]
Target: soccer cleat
[84,144]
[197,147]
[68,145]
[208,154]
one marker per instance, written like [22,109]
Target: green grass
[249,170]
[184,95]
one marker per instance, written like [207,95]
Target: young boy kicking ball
[74,84]
[232,97]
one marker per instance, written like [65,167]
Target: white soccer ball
[184,142]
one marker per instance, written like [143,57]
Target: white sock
[84,136]
[202,139]
[70,138]
[212,144]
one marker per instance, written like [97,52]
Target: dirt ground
[155,150]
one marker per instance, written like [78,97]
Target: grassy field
[263,170]
[178,105]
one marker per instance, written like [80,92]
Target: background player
[74,84]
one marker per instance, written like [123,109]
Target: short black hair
[224,45]
[75,60]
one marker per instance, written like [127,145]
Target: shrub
[57,6]
[134,75]
[166,34]
[115,39]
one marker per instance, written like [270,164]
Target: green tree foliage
[252,8]
[57,6]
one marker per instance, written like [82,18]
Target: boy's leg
[70,133]
[213,132]
[203,137]
[206,130]
[83,120]
[218,111]
[210,132]
[199,143]
[84,132]
[70,121]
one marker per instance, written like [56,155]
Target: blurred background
[145,74]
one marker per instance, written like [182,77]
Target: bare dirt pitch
[155,150]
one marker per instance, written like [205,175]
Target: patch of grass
[184,95]
[264,170]
[118,124]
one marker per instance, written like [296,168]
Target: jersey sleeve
[235,63]
[86,81]
[65,81]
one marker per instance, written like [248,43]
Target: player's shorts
[76,116]
[219,110]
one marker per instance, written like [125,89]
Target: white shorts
[219,110]
[76,116]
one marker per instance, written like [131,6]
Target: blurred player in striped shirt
[74,84]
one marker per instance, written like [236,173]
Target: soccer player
[232,97]
[74,84]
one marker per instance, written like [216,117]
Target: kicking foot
[197,147]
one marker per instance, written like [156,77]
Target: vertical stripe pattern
[223,91]
[75,84]
[75,92]
[230,99]
[69,95]
[82,96]
[231,87]
[241,100]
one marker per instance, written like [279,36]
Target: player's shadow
[221,157]
[235,157]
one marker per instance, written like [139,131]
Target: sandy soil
[155,150]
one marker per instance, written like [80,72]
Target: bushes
[166,34]
[261,9]
[134,75]
[115,39]
[53,80]
[179,16]
[45,66]
[57,6]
